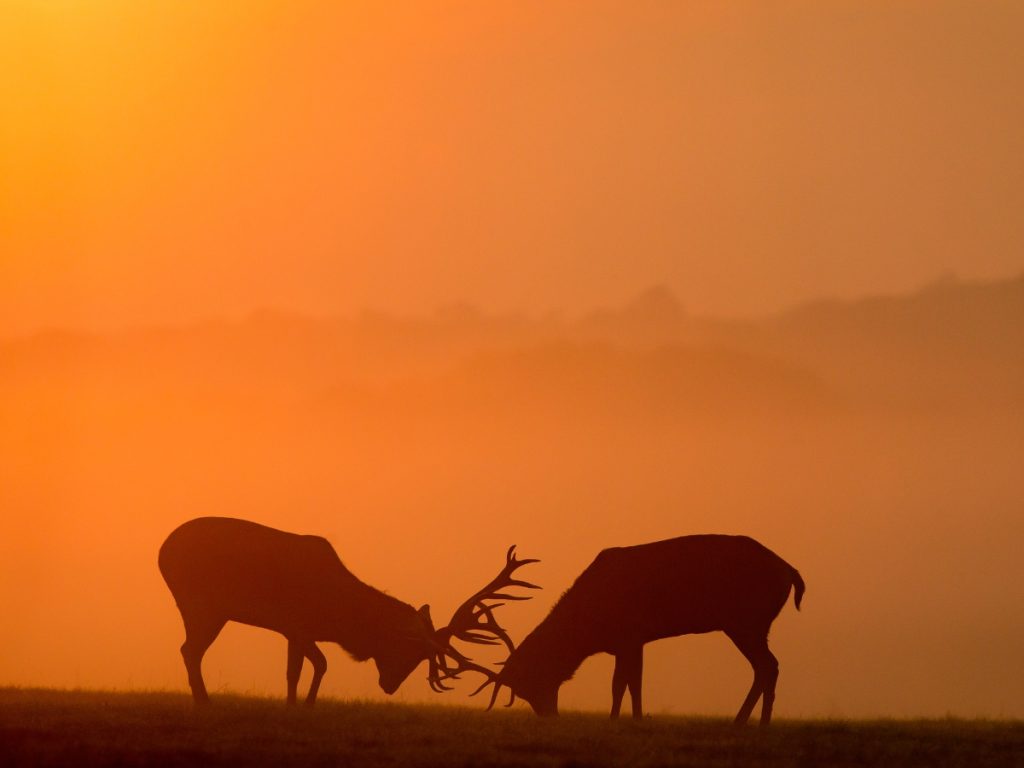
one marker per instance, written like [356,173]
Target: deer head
[474,622]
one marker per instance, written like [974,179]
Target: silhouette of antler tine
[503,596]
[490,624]
[474,622]
[434,676]
[510,557]
[482,685]
[476,616]
[526,584]
[483,608]
[466,665]
[437,686]
[494,693]
[472,637]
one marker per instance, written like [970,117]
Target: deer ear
[424,613]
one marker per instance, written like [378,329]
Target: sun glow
[226,230]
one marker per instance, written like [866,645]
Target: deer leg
[200,632]
[294,669]
[749,647]
[319,662]
[770,672]
[618,684]
[634,679]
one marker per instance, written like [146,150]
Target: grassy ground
[42,727]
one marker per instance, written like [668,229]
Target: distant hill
[954,344]
[950,345]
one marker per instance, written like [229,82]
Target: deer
[630,596]
[222,569]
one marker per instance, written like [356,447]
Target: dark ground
[48,727]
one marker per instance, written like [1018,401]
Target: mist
[873,444]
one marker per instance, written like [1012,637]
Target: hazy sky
[166,160]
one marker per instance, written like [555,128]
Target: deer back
[690,584]
[246,572]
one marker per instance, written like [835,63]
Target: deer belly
[284,611]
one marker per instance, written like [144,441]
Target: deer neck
[551,654]
[367,620]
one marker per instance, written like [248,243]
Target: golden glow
[179,164]
[167,160]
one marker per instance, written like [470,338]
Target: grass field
[44,727]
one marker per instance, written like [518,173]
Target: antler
[440,671]
[474,622]
[474,619]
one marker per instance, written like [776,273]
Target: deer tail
[798,587]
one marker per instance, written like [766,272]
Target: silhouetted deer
[221,569]
[630,596]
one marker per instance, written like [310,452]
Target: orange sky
[166,160]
